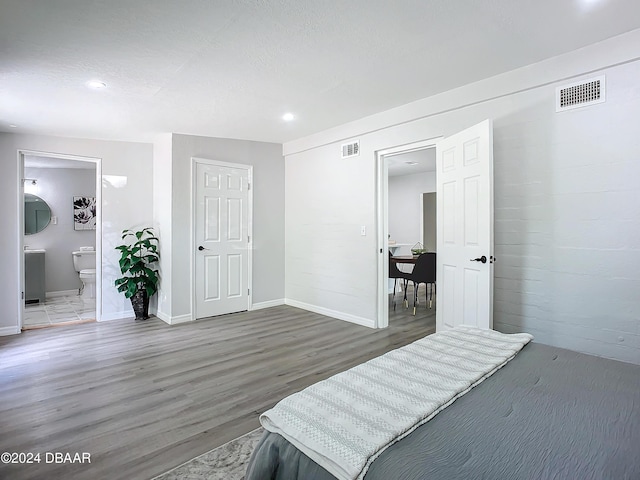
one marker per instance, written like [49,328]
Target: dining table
[405,259]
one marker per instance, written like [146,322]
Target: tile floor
[59,311]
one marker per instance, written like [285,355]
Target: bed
[548,413]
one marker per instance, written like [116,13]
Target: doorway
[413,166]
[464,188]
[67,192]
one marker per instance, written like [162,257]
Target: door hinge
[248,291]
[248,238]
[22,295]
[248,185]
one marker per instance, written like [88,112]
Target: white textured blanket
[345,422]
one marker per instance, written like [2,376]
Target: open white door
[221,239]
[464,179]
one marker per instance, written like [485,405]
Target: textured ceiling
[233,68]
[418,161]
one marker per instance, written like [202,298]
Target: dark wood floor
[144,397]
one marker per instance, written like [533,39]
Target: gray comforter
[548,414]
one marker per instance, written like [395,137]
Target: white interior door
[221,239]
[464,182]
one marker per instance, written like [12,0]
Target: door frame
[249,168]
[382,220]
[21,153]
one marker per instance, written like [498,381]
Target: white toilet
[84,261]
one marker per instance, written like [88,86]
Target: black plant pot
[140,304]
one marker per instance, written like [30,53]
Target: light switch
[363,230]
[54,220]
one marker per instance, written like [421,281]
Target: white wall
[57,187]
[405,207]
[330,268]
[567,202]
[268,216]
[162,217]
[126,202]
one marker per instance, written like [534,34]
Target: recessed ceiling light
[411,163]
[13,126]
[287,117]
[589,4]
[97,84]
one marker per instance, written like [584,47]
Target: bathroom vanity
[34,288]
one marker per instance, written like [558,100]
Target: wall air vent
[351,149]
[580,94]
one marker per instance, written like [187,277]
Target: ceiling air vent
[580,94]
[351,149]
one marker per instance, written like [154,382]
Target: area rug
[227,462]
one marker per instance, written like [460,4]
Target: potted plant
[418,249]
[140,279]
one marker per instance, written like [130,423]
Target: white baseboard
[105,317]
[181,319]
[365,322]
[163,316]
[269,304]
[4,331]
[173,320]
[61,293]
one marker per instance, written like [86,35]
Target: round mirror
[37,214]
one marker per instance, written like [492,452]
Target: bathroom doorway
[60,248]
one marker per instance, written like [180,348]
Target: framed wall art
[84,213]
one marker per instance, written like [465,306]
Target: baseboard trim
[4,331]
[105,317]
[268,304]
[365,322]
[61,293]
[169,320]
[181,319]
[164,317]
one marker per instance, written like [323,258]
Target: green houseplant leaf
[138,256]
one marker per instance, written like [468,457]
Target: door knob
[482,259]
[201,248]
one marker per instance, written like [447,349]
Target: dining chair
[423,272]
[396,273]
